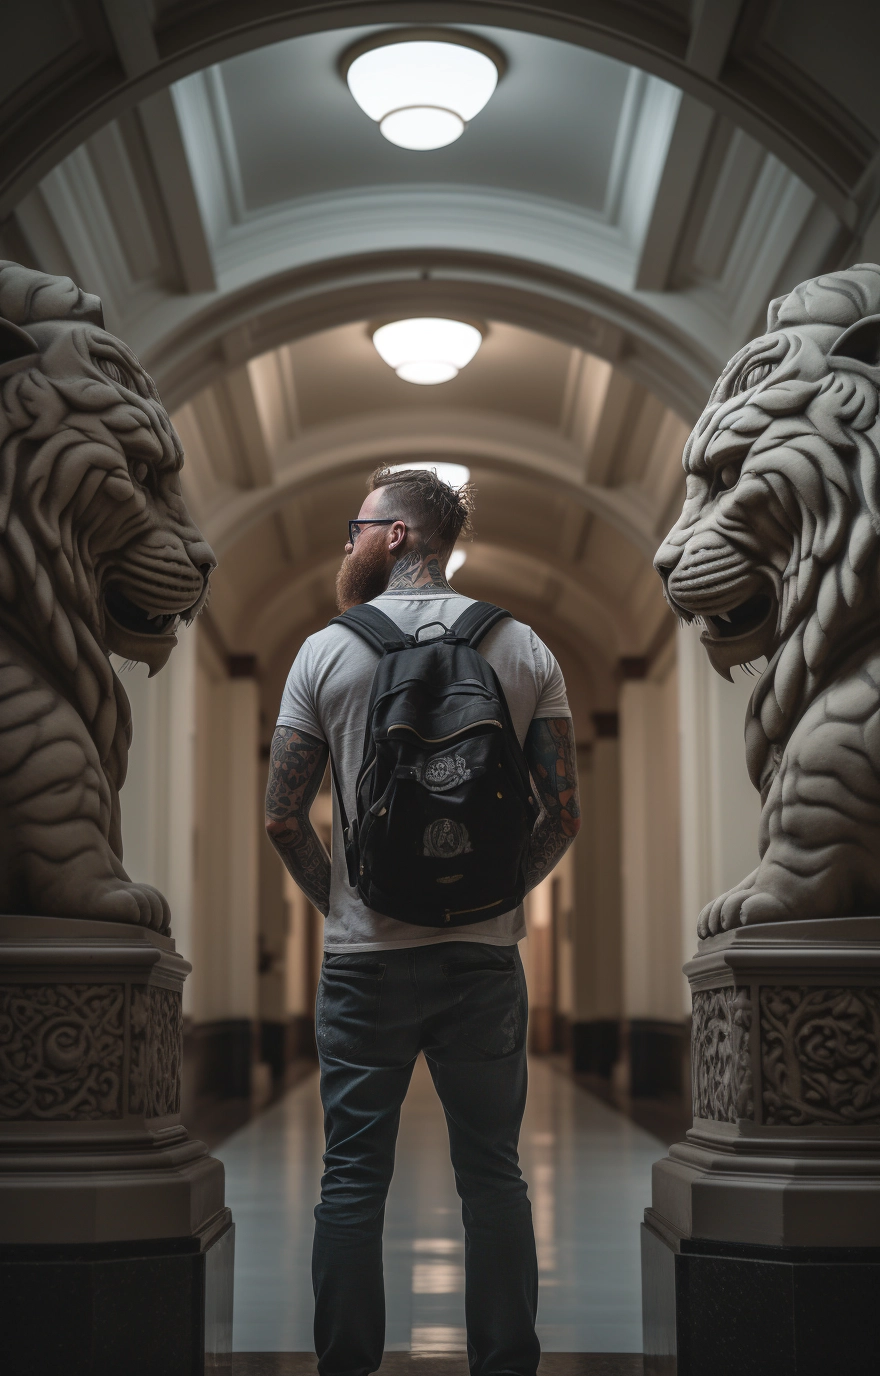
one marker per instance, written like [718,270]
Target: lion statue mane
[97,555]
[777,552]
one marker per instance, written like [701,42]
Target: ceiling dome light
[422,87]
[427,350]
[456,474]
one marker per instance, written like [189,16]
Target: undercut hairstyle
[439,512]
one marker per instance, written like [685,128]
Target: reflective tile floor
[588,1169]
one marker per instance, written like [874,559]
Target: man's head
[416,513]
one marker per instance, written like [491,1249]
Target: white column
[158,796]
[228,785]
[653,985]
[720,807]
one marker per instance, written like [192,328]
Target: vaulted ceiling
[643,181]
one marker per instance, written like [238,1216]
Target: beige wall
[596,937]
[227,819]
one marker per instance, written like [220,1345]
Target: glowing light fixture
[422,87]
[427,350]
[456,559]
[456,474]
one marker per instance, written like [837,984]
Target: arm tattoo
[419,571]
[295,774]
[550,755]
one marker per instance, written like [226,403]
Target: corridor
[588,1169]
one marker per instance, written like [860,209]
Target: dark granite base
[595,1046]
[139,1308]
[731,1309]
[658,1057]
[404,1364]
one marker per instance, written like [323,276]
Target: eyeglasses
[355,527]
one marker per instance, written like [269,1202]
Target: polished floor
[588,1169]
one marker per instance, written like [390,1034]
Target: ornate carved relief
[722,1056]
[820,1053]
[156,1049]
[61,1051]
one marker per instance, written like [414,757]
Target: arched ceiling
[577,468]
[645,178]
[798,75]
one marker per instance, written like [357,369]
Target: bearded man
[390,988]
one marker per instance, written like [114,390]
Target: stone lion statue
[97,554]
[776,553]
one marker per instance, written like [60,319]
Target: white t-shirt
[326,696]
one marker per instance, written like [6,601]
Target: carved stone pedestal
[115,1245]
[761,1251]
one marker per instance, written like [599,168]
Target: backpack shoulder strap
[476,621]
[373,626]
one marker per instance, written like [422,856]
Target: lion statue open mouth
[98,554]
[776,551]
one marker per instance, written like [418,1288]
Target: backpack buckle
[428,624]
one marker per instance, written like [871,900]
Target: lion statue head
[776,548]
[98,553]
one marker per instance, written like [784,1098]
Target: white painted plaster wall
[720,808]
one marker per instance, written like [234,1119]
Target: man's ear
[17,348]
[861,343]
[396,536]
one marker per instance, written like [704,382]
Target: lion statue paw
[747,903]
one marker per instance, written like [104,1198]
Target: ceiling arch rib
[350,447]
[576,466]
[590,243]
[752,65]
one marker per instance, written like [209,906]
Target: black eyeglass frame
[368,521]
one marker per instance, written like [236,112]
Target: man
[390,989]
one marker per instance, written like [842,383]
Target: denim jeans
[464,1005]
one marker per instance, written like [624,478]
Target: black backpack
[445,808]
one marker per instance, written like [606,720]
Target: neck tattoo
[420,571]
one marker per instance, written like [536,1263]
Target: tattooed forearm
[550,754]
[418,571]
[297,767]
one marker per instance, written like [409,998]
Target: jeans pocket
[488,994]
[347,1011]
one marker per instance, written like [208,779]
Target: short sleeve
[552,697]
[298,701]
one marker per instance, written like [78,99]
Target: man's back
[391,990]
[326,697]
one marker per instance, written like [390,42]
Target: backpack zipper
[437,740]
[460,912]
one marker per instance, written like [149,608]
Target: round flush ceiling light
[421,86]
[427,350]
[456,474]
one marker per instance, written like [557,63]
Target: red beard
[362,575]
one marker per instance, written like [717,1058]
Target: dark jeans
[463,1004]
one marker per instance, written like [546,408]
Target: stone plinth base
[761,1252]
[115,1243]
